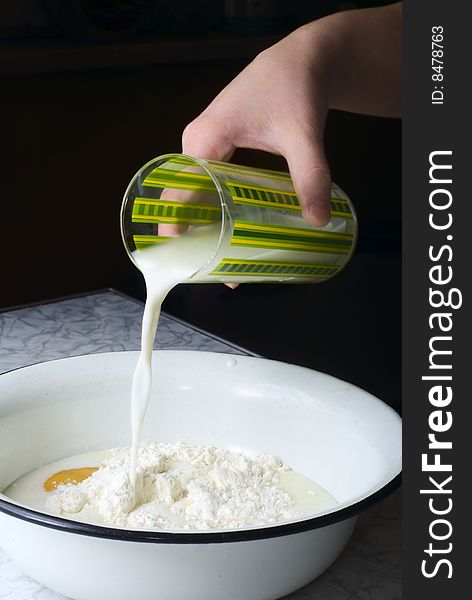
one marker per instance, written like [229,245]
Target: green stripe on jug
[279,204]
[180,160]
[271,268]
[144,241]
[265,204]
[280,245]
[286,238]
[240,185]
[277,197]
[282,200]
[168,178]
[146,210]
[302,232]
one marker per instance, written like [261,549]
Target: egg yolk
[68,476]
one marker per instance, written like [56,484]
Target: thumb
[204,138]
[311,179]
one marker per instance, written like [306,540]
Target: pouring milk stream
[163,267]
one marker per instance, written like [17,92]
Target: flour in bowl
[179,486]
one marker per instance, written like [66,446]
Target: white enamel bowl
[342,437]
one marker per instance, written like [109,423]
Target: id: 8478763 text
[437,64]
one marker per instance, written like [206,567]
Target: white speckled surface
[369,568]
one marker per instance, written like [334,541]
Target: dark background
[91,92]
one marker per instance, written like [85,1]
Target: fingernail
[233,286]
[319,211]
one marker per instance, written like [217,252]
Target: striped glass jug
[256,232]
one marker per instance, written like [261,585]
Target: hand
[349,61]
[277,104]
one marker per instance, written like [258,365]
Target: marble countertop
[370,566]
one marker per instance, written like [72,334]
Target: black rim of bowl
[211,537]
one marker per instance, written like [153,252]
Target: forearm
[360,52]
[278,103]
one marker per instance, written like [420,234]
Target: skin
[348,61]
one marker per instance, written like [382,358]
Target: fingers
[311,178]
[205,137]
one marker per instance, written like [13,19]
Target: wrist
[321,45]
